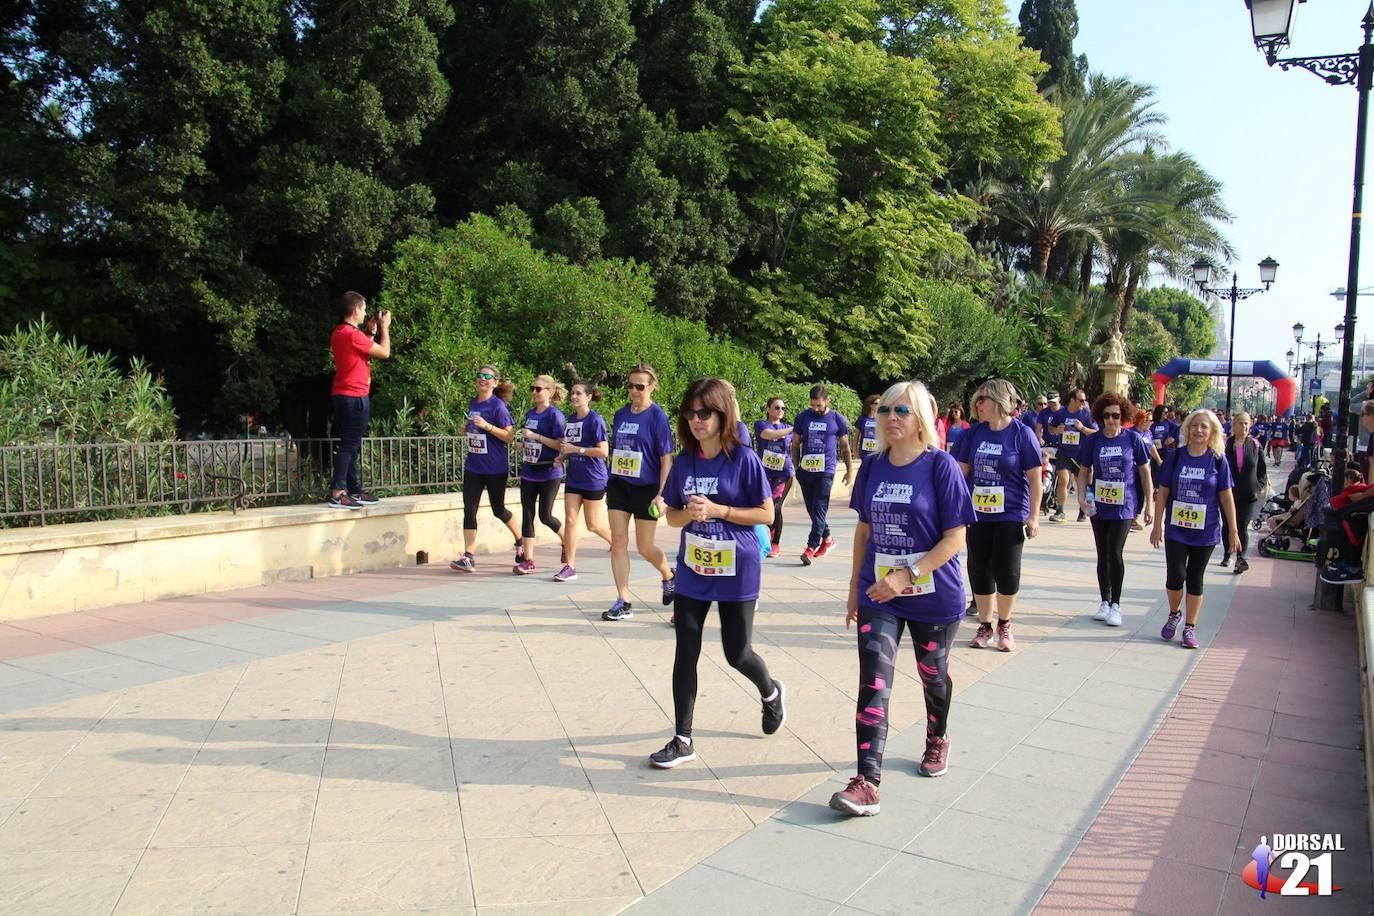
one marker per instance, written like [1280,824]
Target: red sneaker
[859,798]
[773,552]
[826,546]
[808,555]
[936,759]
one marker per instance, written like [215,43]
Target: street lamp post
[1317,347]
[1271,21]
[1202,273]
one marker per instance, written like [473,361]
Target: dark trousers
[816,494]
[736,637]
[1245,514]
[351,416]
[1110,537]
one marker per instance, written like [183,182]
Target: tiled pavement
[417,740]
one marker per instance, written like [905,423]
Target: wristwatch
[582,450]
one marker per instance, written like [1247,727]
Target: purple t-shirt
[536,458]
[908,509]
[1159,432]
[718,560]
[585,473]
[1193,514]
[817,434]
[639,442]
[1073,424]
[742,430]
[486,453]
[866,428]
[776,454]
[1043,420]
[1113,464]
[998,462]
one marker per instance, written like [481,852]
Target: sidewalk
[333,746]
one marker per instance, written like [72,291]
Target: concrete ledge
[87,565]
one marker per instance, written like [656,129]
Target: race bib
[626,463]
[1159,443]
[1070,437]
[710,556]
[1110,492]
[477,443]
[989,499]
[774,461]
[531,452]
[1188,515]
[884,563]
[868,445]
[813,463]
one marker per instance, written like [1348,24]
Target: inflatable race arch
[1285,388]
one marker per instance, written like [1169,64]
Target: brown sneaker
[1005,641]
[936,760]
[859,798]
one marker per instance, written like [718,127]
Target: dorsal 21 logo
[1296,865]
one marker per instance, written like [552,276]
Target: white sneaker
[1114,616]
[1103,611]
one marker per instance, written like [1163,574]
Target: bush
[54,390]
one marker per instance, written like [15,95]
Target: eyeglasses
[636,386]
[485,376]
[778,407]
[534,388]
[1112,415]
[703,413]
[900,410]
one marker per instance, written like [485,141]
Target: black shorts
[593,495]
[632,498]
[1066,464]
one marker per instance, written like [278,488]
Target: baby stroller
[1291,533]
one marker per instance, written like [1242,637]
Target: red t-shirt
[352,368]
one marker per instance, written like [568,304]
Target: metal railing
[41,483]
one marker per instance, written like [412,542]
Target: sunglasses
[1112,415]
[900,410]
[485,376]
[534,388]
[778,407]
[703,414]
[636,386]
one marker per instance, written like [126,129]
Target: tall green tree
[1050,26]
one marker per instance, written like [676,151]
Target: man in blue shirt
[1071,424]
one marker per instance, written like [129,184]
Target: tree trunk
[1085,272]
[1123,315]
[1042,248]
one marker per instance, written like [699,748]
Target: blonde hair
[556,390]
[1000,392]
[921,403]
[1240,414]
[1216,441]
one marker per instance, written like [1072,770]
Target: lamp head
[1340,332]
[1202,272]
[1271,23]
[1297,332]
[1269,268]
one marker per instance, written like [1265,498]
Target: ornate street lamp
[1202,274]
[1271,23]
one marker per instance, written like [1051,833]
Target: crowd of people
[927,487]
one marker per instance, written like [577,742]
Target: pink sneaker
[566,574]
[936,759]
[524,567]
[859,798]
[1005,641]
[981,639]
[1189,636]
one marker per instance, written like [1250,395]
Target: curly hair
[1112,399]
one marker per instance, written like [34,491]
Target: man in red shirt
[353,349]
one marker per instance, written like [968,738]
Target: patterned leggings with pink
[879,635]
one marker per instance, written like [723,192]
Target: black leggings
[994,557]
[1185,564]
[736,628]
[879,634]
[473,484]
[779,497]
[1110,535]
[1245,514]
[545,492]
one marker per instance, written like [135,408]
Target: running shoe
[566,574]
[775,713]
[859,798]
[524,567]
[773,551]
[343,501]
[1058,517]
[1341,574]
[981,639]
[1114,616]
[808,555]
[669,590]
[1082,516]
[1103,610]
[674,752]
[618,611]
[1242,565]
[366,498]
[936,759]
[972,609]
[826,546]
[1189,636]
[1170,627]
[1005,641]
[464,563]
[1226,559]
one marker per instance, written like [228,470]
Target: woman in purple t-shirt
[1193,499]
[773,437]
[584,457]
[716,493]
[486,465]
[914,509]
[541,474]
